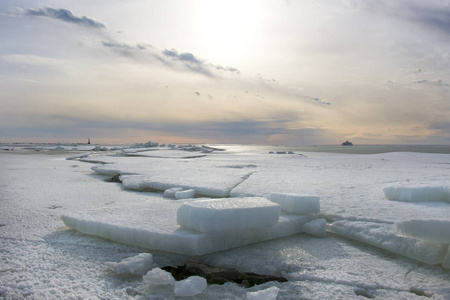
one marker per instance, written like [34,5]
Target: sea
[355,149]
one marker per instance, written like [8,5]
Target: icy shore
[41,258]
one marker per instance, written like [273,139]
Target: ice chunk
[228,214]
[296,204]
[191,286]
[316,227]
[138,265]
[417,193]
[187,194]
[170,193]
[106,170]
[79,156]
[158,276]
[383,236]
[429,230]
[267,294]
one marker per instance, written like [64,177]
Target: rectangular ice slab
[417,193]
[228,214]
[428,230]
[154,227]
[296,204]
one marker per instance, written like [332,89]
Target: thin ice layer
[429,230]
[155,228]
[382,236]
[228,214]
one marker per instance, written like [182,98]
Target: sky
[255,71]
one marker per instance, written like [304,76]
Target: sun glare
[227,26]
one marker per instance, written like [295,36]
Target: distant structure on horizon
[347,143]
[89,141]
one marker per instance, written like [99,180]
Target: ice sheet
[42,259]
[154,227]
[207,177]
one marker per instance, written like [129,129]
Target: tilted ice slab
[429,230]
[231,213]
[417,193]
[382,235]
[154,227]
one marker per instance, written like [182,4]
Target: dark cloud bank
[64,15]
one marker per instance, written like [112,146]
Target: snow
[191,286]
[428,230]
[157,276]
[417,193]
[137,265]
[41,258]
[267,294]
[296,204]
[228,214]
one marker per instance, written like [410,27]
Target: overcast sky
[253,71]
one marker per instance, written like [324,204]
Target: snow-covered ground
[380,209]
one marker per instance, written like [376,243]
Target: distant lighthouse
[89,141]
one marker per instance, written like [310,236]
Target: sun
[227,27]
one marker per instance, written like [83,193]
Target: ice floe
[161,232]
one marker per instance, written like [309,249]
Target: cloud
[194,64]
[63,15]
[318,100]
[438,82]
[189,61]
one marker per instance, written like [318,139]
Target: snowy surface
[41,258]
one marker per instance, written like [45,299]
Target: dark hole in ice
[365,293]
[218,275]
[420,292]
[115,178]
[54,206]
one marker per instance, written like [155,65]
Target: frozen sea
[387,210]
